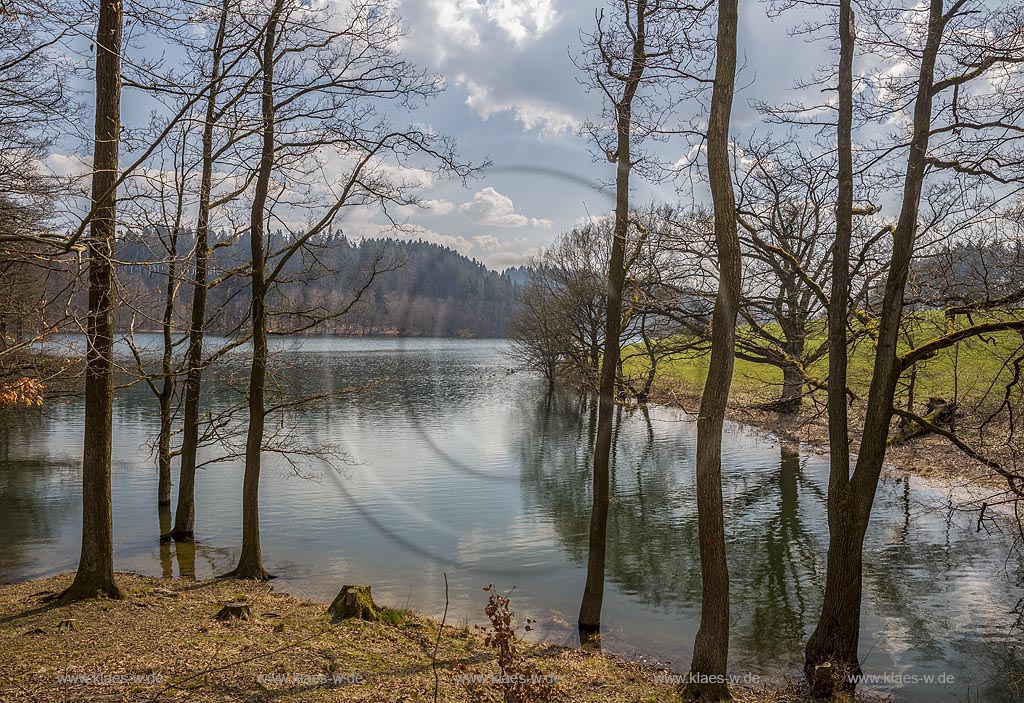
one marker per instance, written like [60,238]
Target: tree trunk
[95,575]
[184,514]
[164,517]
[167,368]
[163,451]
[652,360]
[832,648]
[707,678]
[593,591]
[831,653]
[792,390]
[250,563]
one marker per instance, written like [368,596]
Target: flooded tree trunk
[185,512]
[163,452]
[593,592]
[831,654]
[167,367]
[831,650]
[836,638]
[95,575]
[707,678]
[250,563]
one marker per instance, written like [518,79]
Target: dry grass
[165,632]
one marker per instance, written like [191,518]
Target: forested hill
[412,288]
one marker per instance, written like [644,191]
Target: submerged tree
[706,680]
[564,304]
[957,130]
[214,113]
[161,203]
[323,78]
[631,58]
[665,313]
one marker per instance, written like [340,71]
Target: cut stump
[235,611]
[353,602]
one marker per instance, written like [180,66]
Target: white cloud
[456,18]
[68,164]
[437,207]
[528,111]
[505,259]
[493,209]
[459,244]
[521,20]
[486,243]
[425,208]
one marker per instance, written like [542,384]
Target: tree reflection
[38,496]
[652,526]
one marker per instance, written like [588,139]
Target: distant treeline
[413,288]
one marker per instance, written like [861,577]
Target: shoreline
[929,457]
[164,642]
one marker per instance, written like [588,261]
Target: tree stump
[235,611]
[938,412]
[67,625]
[353,602]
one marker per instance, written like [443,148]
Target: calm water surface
[442,461]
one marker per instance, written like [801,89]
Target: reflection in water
[37,500]
[166,521]
[184,550]
[486,476]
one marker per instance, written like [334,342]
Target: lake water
[439,460]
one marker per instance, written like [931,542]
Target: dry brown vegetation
[164,636]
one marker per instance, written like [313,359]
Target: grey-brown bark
[593,592]
[250,562]
[831,654]
[166,394]
[184,514]
[95,575]
[826,648]
[706,680]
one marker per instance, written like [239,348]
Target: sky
[513,96]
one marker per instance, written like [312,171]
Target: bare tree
[561,325]
[184,514]
[952,48]
[785,196]
[671,280]
[560,330]
[711,646]
[626,55]
[322,75]
[34,105]
[95,575]
[167,202]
